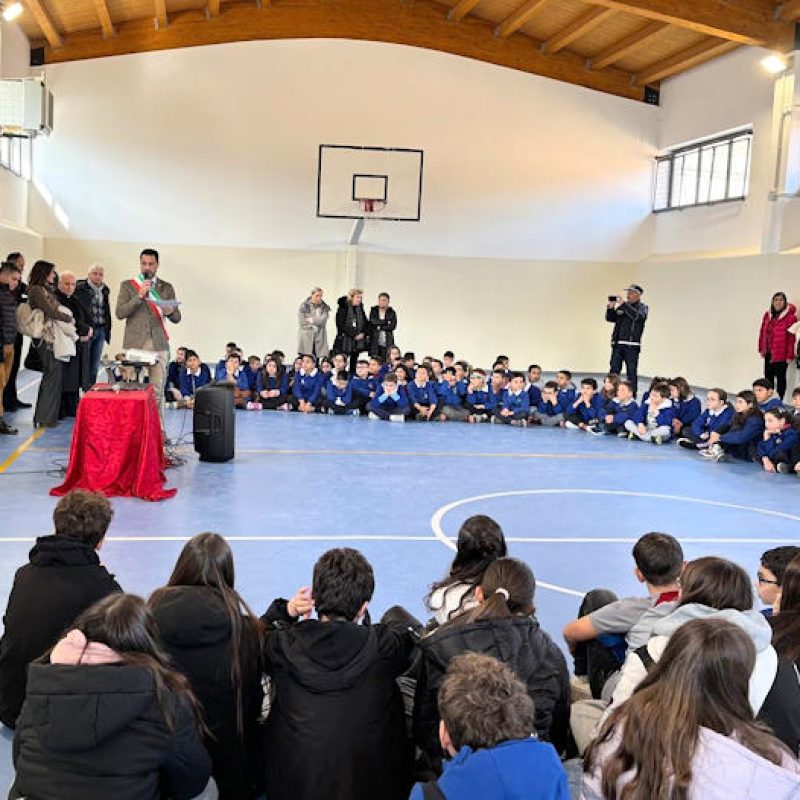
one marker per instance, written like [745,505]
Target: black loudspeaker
[37,56]
[214,423]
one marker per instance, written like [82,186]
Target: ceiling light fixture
[775,64]
[11,11]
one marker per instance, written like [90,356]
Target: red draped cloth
[117,447]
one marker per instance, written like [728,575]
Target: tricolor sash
[137,284]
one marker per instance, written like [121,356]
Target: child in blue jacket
[421,393]
[362,385]
[307,385]
[687,406]
[480,400]
[451,399]
[779,438]
[272,386]
[765,394]
[516,406]
[653,423]
[389,404]
[718,416]
[498,385]
[232,372]
[740,441]
[551,412]
[567,392]
[586,411]
[623,407]
[486,720]
[339,396]
[193,377]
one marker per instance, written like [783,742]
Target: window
[16,155]
[712,171]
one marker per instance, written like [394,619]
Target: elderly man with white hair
[75,372]
[92,294]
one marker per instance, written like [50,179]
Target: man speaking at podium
[142,303]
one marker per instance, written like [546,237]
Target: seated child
[609,392]
[551,412]
[765,394]
[687,406]
[390,404]
[462,374]
[451,399]
[338,362]
[272,387]
[307,386]
[230,349]
[653,423]
[421,393]
[623,407]
[193,377]
[394,357]
[653,382]
[718,416]
[339,396]
[480,400]
[740,441]
[362,386]
[771,571]
[233,373]
[437,373]
[516,406]
[448,359]
[777,440]
[403,378]
[586,412]
[172,384]
[566,388]
[503,361]
[498,386]
[251,369]
[535,377]
[410,361]
[487,716]
[377,371]
[792,462]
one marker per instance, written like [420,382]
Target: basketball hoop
[370,205]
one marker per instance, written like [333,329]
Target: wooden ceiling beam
[423,24]
[514,21]
[585,23]
[45,23]
[213,8]
[101,7]
[162,20]
[743,21]
[686,59]
[790,11]
[624,47]
[461,9]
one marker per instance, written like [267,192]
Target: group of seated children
[111,695]
[756,426]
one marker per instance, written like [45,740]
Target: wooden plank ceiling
[615,46]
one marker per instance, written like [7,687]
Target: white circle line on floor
[439,514]
[286,538]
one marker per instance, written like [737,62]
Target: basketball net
[371,206]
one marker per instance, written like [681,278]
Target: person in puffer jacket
[692,713]
[503,626]
[717,589]
[776,340]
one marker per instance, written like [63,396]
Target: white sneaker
[397,418]
[596,430]
[373,415]
[622,435]
[355,413]
[712,451]
[571,425]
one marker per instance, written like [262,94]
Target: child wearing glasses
[770,574]
[480,401]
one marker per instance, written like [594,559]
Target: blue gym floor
[570,504]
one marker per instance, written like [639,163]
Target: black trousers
[10,398]
[629,356]
[48,402]
[592,659]
[775,371]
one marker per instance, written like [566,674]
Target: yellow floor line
[21,449]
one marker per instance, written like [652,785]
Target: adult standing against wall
[11,401]
[776,341]
[75,372]
[93,294]
[312,317]
[42,295]
[628,317]
[145,322]
[9,278]
[382,322]
[351,327]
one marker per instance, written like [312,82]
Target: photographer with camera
[629,317]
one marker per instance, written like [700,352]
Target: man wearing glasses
[769,577]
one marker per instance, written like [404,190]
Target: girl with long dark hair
[106,715]
[785,620]
[214,639]
[740,440]
[688,731]
[776,340]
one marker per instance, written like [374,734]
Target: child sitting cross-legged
[451,399]
[272,386]
[516,405]
[741,439]
[339,397]
[498,385]
[362,387]
[622,408]
[480,401]
[232,372]
[717,417]
[653,423]
[550,411]
[389,403]
[687,406]
[586,412]
[194,377]
[421,394]
[778,439]
[307,385]
[765,394]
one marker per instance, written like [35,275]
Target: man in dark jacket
[64,577]
[629,318]
[9,280]
[92,293]
[336,729]
[10,400]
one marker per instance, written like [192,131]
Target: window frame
[23,168]
[699,146]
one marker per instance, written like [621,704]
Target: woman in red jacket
[776,340]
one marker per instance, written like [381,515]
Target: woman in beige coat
[313,320]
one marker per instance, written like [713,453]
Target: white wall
[218,146]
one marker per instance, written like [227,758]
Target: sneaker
[329,412]
[712,451]
[571,425]
[519,423]
[355,413]
[7,430]
[623,435]
[372,415]
[783,468]
[397,418]
[596,430]
[493,420]
[687,443]
[658,440]
[631,436]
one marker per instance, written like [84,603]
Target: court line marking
[449,454]
[278,538]
[34,382]
[633,540]
[438,515]
[21,449]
